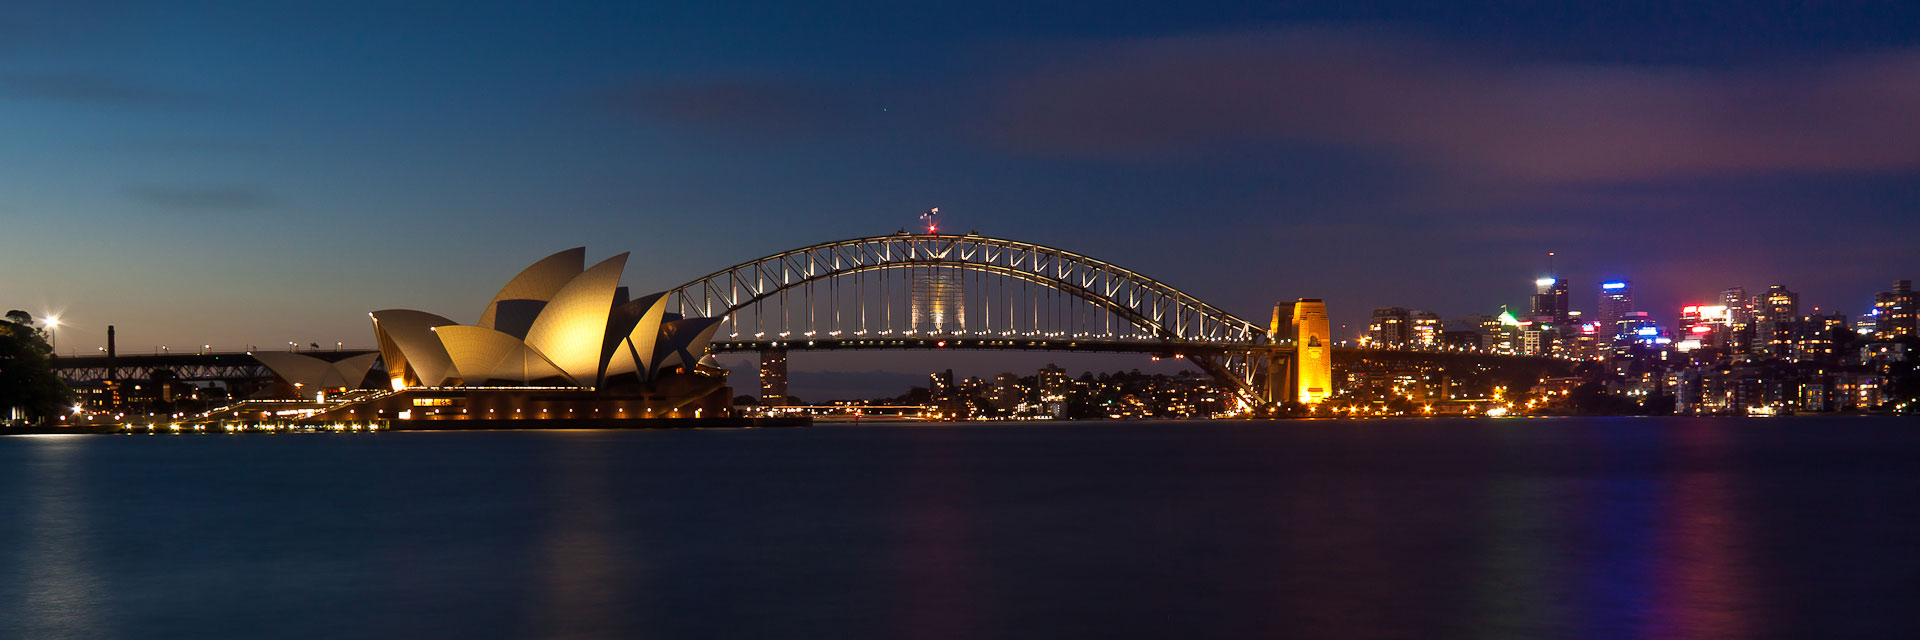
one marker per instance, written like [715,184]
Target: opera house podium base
[676,401]
[652,423]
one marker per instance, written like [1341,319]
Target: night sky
[236,174]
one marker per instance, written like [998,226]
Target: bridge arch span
[1145,303]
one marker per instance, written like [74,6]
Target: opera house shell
[559,323]
[304,372]
[561,341]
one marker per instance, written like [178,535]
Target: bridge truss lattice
[919,285]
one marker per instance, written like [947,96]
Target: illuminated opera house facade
[561,341]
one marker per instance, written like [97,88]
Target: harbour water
[1523,528]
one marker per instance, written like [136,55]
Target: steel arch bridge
[983,292]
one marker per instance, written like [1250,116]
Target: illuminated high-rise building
[1775,317]
[1313,351]
[1739,319]
[1704,326]
[1390,327]
[1550,301]
[1817,337]
[938,301]
[1616,301]
[773,378]
[1893,311]
[1425,329]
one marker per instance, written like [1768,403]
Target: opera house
[561,341]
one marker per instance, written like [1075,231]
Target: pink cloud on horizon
[1469,114]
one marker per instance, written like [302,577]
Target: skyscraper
[1616,301]
[1775,317]
[1550,300]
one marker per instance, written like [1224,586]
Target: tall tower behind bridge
[1313,355]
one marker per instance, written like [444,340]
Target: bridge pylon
[1313,352]
[1303,371]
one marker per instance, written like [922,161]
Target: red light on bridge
[941,344]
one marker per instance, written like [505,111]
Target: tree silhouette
[26,373]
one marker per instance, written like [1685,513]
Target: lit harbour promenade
[564,343]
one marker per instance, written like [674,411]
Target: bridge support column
[1313,360]
[773,377]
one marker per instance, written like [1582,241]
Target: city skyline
[249,175]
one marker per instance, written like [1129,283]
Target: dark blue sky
[234,173]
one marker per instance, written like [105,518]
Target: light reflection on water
[1517,529]
[60,597]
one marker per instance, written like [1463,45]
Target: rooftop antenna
[932,216]
[1551,273]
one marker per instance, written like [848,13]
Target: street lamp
[53,332]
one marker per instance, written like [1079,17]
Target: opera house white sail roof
[306,372]
[557,323]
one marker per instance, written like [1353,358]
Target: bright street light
[53,332]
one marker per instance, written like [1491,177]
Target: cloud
[213,199]
[1465,113]
[82,87]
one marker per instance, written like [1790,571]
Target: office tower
[1550,301]
[1616,301]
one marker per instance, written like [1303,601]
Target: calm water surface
[1573,528]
